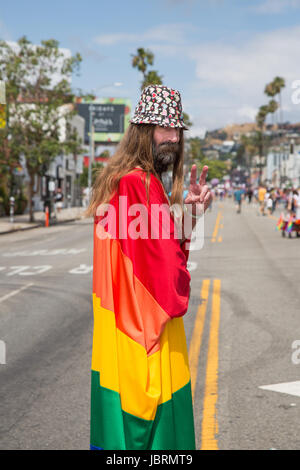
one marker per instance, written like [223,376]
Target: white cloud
[246,68]
[276,6]
[192,2]
[167,33]
[231,79]
[85,50]
[4,33]
[115,38]
[247,113]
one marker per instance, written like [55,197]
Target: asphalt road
[242,321]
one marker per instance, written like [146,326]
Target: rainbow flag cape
[290,224]
[280,222]
[140,387]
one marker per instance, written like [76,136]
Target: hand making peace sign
[198,192]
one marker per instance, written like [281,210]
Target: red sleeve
[185,249]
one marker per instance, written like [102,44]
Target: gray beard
[164,155]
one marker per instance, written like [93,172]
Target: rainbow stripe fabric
[280,222]
[140,386]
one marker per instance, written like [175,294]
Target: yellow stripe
[216,227]
[196,340]
[209,421]
[142,381]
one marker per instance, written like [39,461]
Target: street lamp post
[91,109]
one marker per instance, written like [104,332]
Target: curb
[38,225]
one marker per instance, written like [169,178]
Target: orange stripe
[142,317]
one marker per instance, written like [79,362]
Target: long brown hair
[135,149]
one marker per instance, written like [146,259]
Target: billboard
[2,105]
[110,117]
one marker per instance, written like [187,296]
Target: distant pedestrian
[297,204]
[238,196]
[85,197]
[59,197]
[249,194]
[270,204]
[261,199]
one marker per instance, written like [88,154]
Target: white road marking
[21,270]
[82,269]
[45,252]
[15,292]
[38,270]
[2,352]
[291,388]
[17,270]
[192,265]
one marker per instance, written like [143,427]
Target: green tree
[195,149]
[216,168]
[186,120]
[36,105]
[273,106]
[141,60]
[83,178]
[273,89]
[279,84]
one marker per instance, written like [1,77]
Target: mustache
[167,147]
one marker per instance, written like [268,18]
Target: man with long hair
[141,393]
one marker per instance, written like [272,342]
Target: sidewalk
[21,222]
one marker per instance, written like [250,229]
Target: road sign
[110,118]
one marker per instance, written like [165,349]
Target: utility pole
[91,158]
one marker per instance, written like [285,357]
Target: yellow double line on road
[209,417]
[218,225]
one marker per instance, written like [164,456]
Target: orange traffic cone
[47,216]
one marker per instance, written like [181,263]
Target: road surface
[242,329]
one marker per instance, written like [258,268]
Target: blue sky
[218,53]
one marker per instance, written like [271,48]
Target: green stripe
[114,429]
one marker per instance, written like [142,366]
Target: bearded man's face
[165,147]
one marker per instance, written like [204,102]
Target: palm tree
[141,60]
[270,91]
[272,107]
[279,83]
[260,120]
[262,115]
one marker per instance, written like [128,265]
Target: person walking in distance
[59,197]
[140,390]
[261,199]
[238,196]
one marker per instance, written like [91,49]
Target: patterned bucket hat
[159,105]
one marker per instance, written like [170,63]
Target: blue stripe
[95,448]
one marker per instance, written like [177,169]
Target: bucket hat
[159,105]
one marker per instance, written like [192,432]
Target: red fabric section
[159,264]
[184,248]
